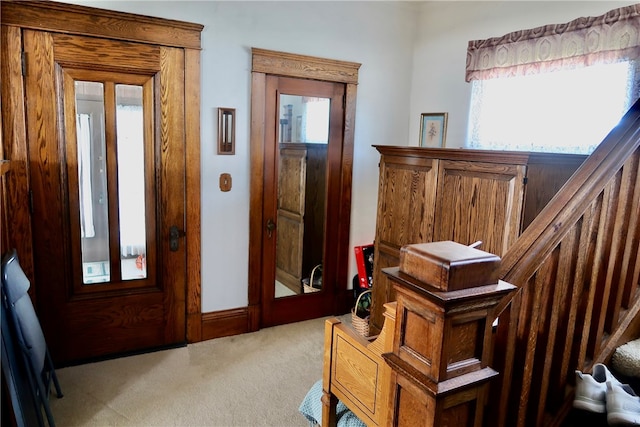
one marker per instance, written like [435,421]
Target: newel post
[445,296]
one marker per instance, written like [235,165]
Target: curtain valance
[612,37]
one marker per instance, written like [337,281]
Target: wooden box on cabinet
[427,195]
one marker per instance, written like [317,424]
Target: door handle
[270,227]
[174,234]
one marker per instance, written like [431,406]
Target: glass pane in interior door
[131,181]
[92,182]
[302,168]
[304,119]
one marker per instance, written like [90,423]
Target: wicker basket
[360,324]
[313,283]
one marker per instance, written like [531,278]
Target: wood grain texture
[440,366]
[631,259]
[579,293]
[293,213]
[69,106]
[407,194]
[256,196]
[45,182]
[336,206]
[589,180]
[307,67]
[139,316]
[105,54]
[355,372]
[68,18]
[225,323]
[315,202]
[460,195]
[554,172]
[172,188]
[193,193]
[444,265]
[341,244]
[477,201]
[47,58]
[14,147]
[269,202]
[409,154]
[5,167]
[329,400]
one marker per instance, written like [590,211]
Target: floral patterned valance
[612,37]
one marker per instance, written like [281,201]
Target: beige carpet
[256,379]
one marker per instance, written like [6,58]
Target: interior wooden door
[107,171]
[285,184]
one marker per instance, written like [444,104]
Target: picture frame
[433,130]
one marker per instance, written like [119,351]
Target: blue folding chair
[28,333]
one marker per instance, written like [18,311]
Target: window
[556,88]
[568,111]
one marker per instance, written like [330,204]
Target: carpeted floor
[256,379]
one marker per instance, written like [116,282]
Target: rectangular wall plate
[225,182]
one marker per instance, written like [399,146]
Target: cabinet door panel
[479,201]
[405,201]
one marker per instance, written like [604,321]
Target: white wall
[379,35]
[413,61]
[444,30]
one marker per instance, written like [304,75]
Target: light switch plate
[225,182]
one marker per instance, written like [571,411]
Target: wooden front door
[106,143]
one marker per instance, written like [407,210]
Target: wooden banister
[574,197]
[577,269]
[446,293]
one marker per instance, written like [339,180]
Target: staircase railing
[577,269]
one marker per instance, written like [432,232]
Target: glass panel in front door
[92,182]
[131,181]
[96,178]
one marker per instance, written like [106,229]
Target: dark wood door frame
[266,62]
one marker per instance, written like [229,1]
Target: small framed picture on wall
[433,129]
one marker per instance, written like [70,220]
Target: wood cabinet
[427,195]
